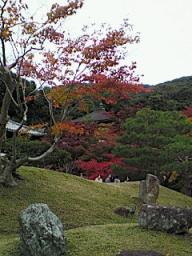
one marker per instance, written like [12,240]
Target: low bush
[56,160]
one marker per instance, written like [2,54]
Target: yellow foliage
[173,176]
[67,127]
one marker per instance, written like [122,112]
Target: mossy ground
[87,209]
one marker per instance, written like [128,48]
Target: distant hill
[170,95]
[182,81]
[147,85]
[178,90]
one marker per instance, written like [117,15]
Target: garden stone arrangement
[41,232]
[169,219]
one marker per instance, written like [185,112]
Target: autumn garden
[93,118]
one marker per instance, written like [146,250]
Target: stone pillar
[149,189]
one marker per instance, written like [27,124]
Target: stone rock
[169,219]
[125,211]
[139,253]
[41,232]
[149,189]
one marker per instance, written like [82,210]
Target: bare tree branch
[49,151]
[2,28]
[50,107]
[10,93]
[22,56]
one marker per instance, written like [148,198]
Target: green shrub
[56,160]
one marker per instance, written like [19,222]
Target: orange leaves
[83,106]
[190,119]
[29,28]
[108,91]
[62,95]
[68,95]
[51,34]
[111,91]
[57,12]
[67,127]
[5,33]
[102,131]
[57,96]
[38,126]
[59,58]
[11,16]
[28,68]
[50,58]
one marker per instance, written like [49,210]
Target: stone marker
[149,189]
[125,211]
[41,232]
[169,219]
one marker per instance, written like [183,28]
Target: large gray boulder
[169,219]
[41,232]
[149,189]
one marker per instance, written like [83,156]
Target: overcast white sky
[165,26]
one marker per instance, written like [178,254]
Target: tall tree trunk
[8,175]
[7,178]
[10,84]
[8,170]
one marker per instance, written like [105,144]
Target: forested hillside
[170,95]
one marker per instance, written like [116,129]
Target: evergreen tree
[157,142]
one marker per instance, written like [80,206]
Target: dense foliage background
[149,131]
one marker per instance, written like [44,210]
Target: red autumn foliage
[93,168]
[187,112]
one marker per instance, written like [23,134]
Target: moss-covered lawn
[110,239]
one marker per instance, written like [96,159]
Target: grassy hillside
[87,209]
[77,202]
